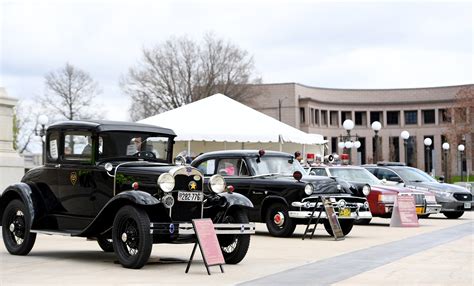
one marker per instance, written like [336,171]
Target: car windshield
[129,144]
[355,175]
[414,175]
[275,165]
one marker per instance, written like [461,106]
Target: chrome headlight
[166,182]
[308,189]
[217,184]
[366,190]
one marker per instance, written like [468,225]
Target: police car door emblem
[73,178]
[192,185]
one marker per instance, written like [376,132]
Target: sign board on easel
[208,244]
[404,212]
[332,218]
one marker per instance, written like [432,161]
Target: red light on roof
[344,156]
[310,156]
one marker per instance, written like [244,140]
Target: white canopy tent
[219,118]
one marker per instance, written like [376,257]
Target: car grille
[185,211]
[419,199]
[463,197]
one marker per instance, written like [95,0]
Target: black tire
[346,226]
[453,215]
[423,216]
[16,229]
[131,237]
[235,246]
[105,243]
[278,222]
[363,221]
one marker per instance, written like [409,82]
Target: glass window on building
[376,116]
[345,115]
[316,116]
[333,144]
[411,151]
[444,116]
[393,117]
[360,118]
[428,116]
[324,117]
[333,118]
[411,117]
[311,111]
[394,149]
[302,117]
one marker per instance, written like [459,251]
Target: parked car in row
[282,196]
[454,200]
[381,197]
[114,181]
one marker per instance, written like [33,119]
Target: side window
[228,167]
[53,143]
[319,172]
[207,167]
[387,175]
[78,146]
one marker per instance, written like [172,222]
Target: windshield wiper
[268,175]
[416,181]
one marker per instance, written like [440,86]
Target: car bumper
[187,228]
[420,210]
[307,214]
[457,206]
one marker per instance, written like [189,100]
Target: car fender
[268,200]
[235,199]
[107,214]
[20,191]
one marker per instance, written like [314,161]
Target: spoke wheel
[16,229]
[278,221]
[234,246]
[131,237]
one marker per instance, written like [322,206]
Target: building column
[12,165]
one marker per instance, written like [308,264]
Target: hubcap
[124,237]
[12,227]
[279,219]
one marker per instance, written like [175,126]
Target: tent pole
[304,151]
[189,147]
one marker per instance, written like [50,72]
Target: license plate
[419,210]
[467,205]
[190,196]
[345,212]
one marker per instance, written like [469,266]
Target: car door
[76,176]
[390,176]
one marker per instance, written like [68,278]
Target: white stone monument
[12,165]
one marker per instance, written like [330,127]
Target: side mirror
[395,179]
[312,173]
[384,181]
[180,160]
[441,179]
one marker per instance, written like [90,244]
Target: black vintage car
[282,198]
[114,181]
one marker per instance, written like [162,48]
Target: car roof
[240,153]
[106,125]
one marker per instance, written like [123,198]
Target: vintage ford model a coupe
[282,197]
[114,181]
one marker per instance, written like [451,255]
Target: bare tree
[461,115]
[69,93]
[24,124]
[180,71]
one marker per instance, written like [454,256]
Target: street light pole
[348,126]
[461,152]
[428,143]
[42,121]
[376,126]
[446,149]
[405,135]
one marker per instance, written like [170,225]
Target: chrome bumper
[187,228]
[433,209]
[307,214]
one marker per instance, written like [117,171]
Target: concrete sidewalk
[63,260]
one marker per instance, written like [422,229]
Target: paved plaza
[439,252]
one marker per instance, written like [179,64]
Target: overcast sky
[324,44]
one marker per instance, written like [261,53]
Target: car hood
[322,185]
[434,186]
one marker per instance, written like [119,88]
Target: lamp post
[376,126]
[279,107]
[405,135]
[461,152]
[428,143]
[348,126]
[42,121]
[446,149]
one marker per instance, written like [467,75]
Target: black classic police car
[282,197]
[114,181]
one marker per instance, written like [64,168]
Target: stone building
[423,112]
